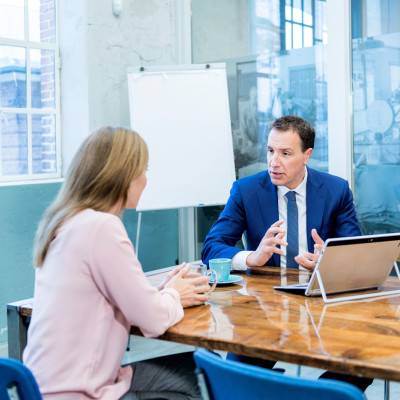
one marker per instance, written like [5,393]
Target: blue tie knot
[291,195]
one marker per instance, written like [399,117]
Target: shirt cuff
[239,260]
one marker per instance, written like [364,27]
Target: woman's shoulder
[93,220]
[94,228]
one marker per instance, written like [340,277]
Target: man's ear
[307,155]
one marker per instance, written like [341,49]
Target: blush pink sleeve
[120,277]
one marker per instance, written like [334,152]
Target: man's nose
[274,159]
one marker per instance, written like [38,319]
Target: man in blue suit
[259,207]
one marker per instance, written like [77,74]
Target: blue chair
[16,381]
[224,379]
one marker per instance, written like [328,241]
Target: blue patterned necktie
[292,249]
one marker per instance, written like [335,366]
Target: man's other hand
[309,260]
[268,246]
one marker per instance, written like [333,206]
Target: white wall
[96,48]
[220,29]
[73,76]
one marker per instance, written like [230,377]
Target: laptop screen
[355,263]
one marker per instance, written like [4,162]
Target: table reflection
[359,337]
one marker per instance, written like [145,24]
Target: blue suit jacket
[253,207]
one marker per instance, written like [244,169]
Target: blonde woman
[90,287]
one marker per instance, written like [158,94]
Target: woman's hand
[191,290]
[171,274]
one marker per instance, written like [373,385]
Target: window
[376,117]
[29,95]
[298,19]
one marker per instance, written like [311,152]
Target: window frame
[285,21]
[28,110]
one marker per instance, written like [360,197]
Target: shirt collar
[300,190]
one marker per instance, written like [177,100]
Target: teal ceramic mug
[222,268]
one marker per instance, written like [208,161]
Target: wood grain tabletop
[251,318]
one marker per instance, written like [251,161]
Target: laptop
[351,264]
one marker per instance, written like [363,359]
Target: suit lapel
[268,203]
[315,203]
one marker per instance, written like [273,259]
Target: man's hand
[309,260]
[268,246]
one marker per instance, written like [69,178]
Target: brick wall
[44,147]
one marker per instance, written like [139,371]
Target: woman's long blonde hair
[99,178]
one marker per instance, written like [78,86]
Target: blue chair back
[17,382]
[225,379]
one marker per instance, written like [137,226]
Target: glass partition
[274,52]
[376,122]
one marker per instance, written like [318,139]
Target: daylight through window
[29,98]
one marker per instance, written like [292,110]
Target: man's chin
[277,181]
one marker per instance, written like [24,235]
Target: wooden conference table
[251,318]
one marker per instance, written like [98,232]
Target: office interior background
[63,73]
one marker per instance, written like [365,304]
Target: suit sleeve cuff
[239,260]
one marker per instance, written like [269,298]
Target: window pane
[43,78]
[297,36]
[376,123]
[288,13]
[308,20]
[297,11]
[307,13]
[12,19]
[12,76]
[34,20]
[14,144]
[288,31]
[44,143]
[42,27]
[308,37]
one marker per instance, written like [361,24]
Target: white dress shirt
[239,260]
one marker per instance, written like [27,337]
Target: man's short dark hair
[297,124]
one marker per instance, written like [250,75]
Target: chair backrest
[17,382]
[225,379]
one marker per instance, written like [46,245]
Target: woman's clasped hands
[192,288]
